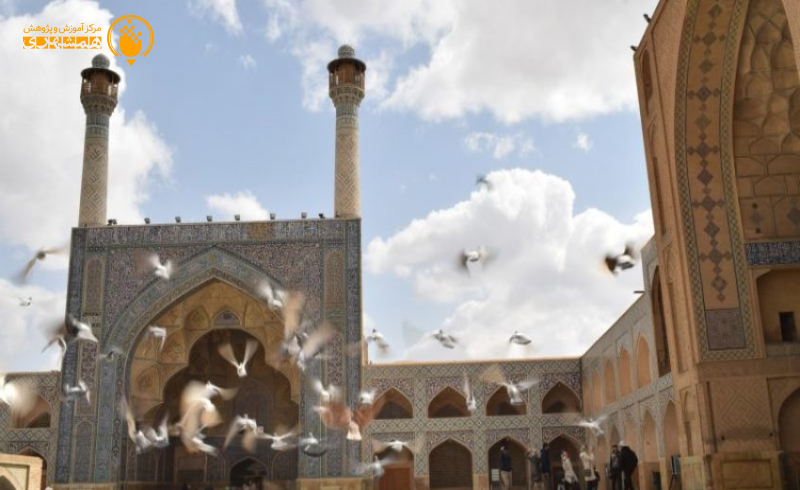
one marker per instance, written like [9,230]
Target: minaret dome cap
[101,61]
[347,51]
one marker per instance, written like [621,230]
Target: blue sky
[231,100]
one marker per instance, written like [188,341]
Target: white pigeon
[72,393]
[276,298]
[226,351]
[280,442]
[519,338]
[196,442]
[20,399]
[40,255]
[480,254]
[395,445]
[157,332]
[326,395]
[159,437]
[247,426]
[495,375]
[376,467]
[81,330]
[197,409]
[313,447]
[379,340]
[366,397]
[446,339]
[26,301]
[112,354]
[163,271]
[594,424]
[472,405]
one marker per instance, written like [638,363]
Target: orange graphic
[130,41]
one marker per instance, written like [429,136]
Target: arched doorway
[30,452]
[649,455]
[560,399]
[247,470]
[399,475]
[671,441]
[499,404]
[557,446]
[450,466]
[519,480]
[789,436]
[447,404]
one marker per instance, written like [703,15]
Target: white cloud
[583,142]
[525,60]
[42,133]
[546,278]
[222,11]
[499,146]
[25,327]
[243,203]
[247,61]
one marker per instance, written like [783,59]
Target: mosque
[700,376]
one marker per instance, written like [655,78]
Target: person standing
[587,460]
[615,468]
[505,469]
[544,462]
[628,461]
[569,473]
[535,469]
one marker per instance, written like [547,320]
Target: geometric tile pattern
[347,191]
[773,253]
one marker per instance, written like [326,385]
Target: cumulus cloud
[583,142]
[499,146]
[26,326]
[247,61]
[544,62]
[243,203]
[546,278]
[42,133]
[222,11]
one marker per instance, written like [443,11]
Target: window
[788,327]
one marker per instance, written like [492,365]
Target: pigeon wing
[249,350]
[226,351]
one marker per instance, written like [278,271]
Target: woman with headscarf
[569,473]
[587,460]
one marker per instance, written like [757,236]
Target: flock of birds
[303,343]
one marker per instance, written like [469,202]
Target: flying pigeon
[226,351]
[41,254]
[519,338]
[624,261]
[494,375]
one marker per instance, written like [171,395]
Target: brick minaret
[99,98]
[346,82]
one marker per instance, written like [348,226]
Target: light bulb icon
[129,43]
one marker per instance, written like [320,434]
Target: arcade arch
[450,466]
[643,376]
[499,404]
[393,405]
[517,452]
[447,404]
[560,399]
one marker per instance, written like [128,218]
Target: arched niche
[35,454]
[499,404]
[38,417]
[516,450]
[245,470]
[650,438]
[560,399]
[625,387]
[564,443]
[780,309]
[610,382]
[5,483]
[392,405]
[660,326]
[450,466]
[643,376]
[448,403]
[789,435]
[671,431]
[597,390]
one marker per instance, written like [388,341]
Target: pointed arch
[499,404]
[650,438]
[516,450]
[246,469]
[625,387]
[450,466]
[671,431]
[448,403]
[399,472]
[560,399]
[392,404]
[660,326]
[610,382]
[564,442]
[29,451]
[5,483]
[643,376]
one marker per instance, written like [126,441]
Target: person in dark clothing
[535,468]
[505,469]
[544,462]
[615,468]
[629,461]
